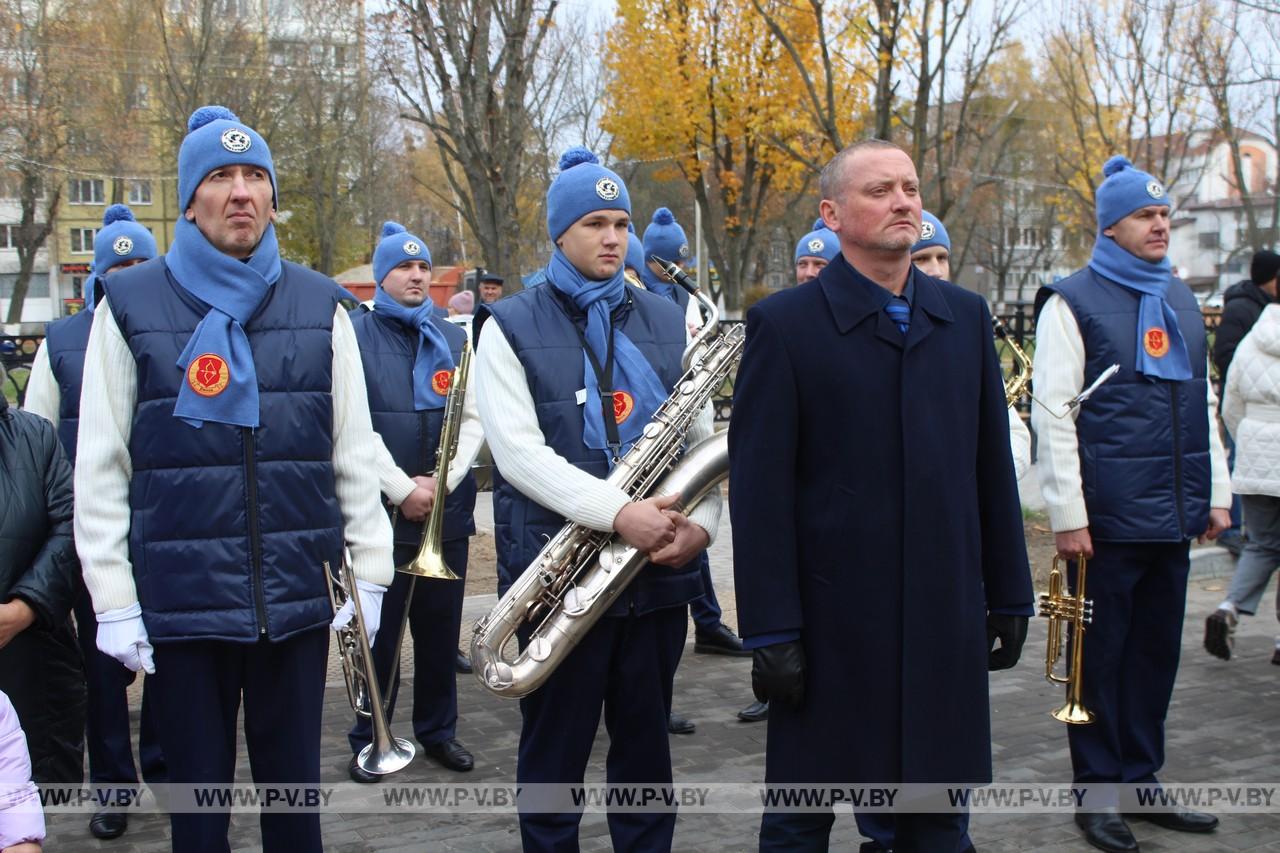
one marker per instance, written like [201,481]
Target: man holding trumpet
[1129,477]
[409,355]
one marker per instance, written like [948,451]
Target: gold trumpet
[429,561]
[1061,608]
[384,754]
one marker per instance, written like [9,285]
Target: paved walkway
[1222,728]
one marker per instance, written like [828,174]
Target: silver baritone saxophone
[581,572]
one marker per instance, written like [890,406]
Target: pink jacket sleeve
[20,816]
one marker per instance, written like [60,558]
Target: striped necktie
[899,312]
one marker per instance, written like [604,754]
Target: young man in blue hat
[225,455]
[1129,477]
[54,393]
[814,251]
[543,399]
[409,355]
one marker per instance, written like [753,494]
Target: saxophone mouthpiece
[676,274]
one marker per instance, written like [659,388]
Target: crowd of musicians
[230,431]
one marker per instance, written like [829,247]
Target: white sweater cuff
[1068,516]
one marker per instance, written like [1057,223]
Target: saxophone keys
[539,649]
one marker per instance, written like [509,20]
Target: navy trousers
[878,826]
[1131,650]
[705,609]
[197,688]
[624,666]
[434,619]
[781,832]
[110,744]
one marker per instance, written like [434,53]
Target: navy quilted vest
[230,525]
[66,340]
[1144,443]
[387,350]
[539,325]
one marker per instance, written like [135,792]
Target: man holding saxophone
[567,377]
[225,454]
[409,355]
[1129,477]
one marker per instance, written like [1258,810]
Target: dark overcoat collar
[853,298]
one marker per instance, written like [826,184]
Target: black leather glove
[1011,631]
[777,673]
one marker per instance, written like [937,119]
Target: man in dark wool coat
[877,532]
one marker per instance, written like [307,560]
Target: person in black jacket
[1242,305]
[40,666]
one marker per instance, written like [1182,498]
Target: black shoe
[108,824]
[754,713]
[719,641]
[1106,830]
[1179,820]
[450,754]
[359,774]
[462,665]
[1275,656]
[679,725]
[1219,633]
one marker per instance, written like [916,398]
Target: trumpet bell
[382,762]
[429,563]
[1073,713]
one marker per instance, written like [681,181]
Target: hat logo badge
[1155,190]
[411,247]
[236,140]
[607,189]
[926,231]
[816,245]
[684,250]
[122,246]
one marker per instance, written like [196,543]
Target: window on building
[8,233]
[339,56]
[87,191]
[82,240]
[1209,241]
[139,192]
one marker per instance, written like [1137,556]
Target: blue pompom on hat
[1124,189]
[397,246]
[635,253]
[121,238]
[819,224]
[665,238]
[821,242]
[583,186]
[932,233]
[215,138]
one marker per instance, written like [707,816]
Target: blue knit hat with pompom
[635,253]
[216,137]
[397,246]
[932,233]
[665,238]
[583,186]
[121,238]
[1126,188]
[821,242]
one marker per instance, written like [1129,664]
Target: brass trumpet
[1061,607]
[384,754]
[429,561]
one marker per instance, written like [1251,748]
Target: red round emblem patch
[208,375]
[1155,342]
[441,380]
[623,405]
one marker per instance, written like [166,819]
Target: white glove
[370,609]
[122,635]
